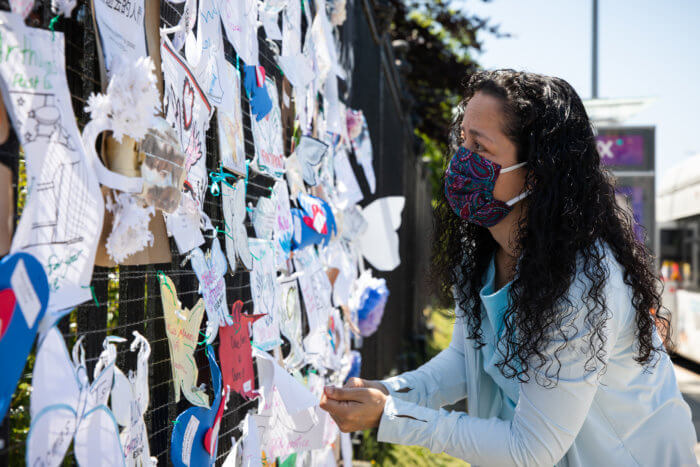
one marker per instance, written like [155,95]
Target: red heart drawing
[187,104]
[7,308]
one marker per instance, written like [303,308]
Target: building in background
[629,151]
[678,217]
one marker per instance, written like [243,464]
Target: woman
[554,344]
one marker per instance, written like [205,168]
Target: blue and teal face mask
[469,183]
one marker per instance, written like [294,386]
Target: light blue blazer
[622,416]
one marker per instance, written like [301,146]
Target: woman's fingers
[347,394]
[339,409]
[356,383]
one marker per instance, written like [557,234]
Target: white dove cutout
[237,249]
[66,407]
[379,243]
[129,402]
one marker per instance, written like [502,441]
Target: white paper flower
[130,232]
[63,7]
[131,101]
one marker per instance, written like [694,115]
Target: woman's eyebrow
[479,134]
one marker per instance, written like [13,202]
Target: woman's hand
[354,408]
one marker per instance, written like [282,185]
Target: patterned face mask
[469,183]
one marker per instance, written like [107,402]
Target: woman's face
[482,133]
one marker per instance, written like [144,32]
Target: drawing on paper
[267,136]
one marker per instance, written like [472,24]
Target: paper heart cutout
[7,308]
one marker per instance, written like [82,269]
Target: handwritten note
[205,54]
[230,124]
[267,136]
[235,352]
[62,219]
[182,328]
[284,229]
[315,288]
[289,419]
[240,19]
[290,323]
[122,31]
[237,249]
[266,294]
[210,269]
[188,110]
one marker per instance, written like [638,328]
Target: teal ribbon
[220,177]
[52,26]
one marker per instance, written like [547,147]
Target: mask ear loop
[518,198]
[513,167]
[524,193]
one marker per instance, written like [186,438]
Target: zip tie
[205,339]
[92,290]
[52,26]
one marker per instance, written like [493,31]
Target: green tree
[434,41]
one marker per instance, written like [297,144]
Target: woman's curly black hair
[572,210]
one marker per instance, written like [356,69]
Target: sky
[645,49]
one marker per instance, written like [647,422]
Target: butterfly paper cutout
[182,327]
[379,243]
[66,407]
[235,352]
[129,403]
[237,249]
[210,269]
[195,435]
[310,153]
[24,295]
